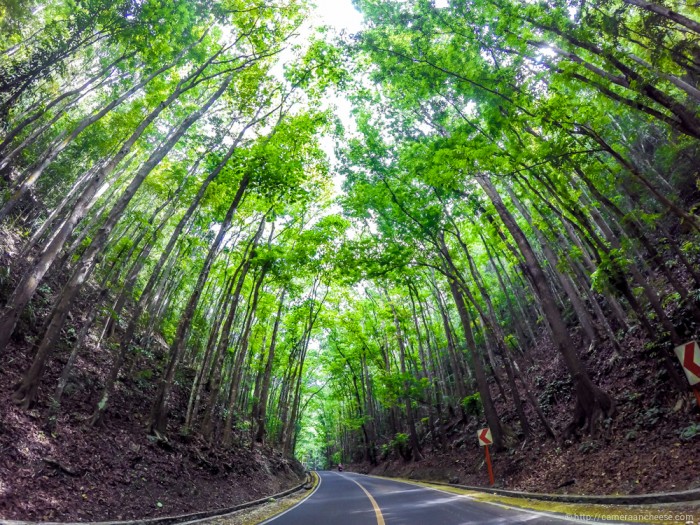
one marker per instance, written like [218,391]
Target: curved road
[353,499]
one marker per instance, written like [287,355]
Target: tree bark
[158,417]
[226,340]
[410,420]
[25,393]
[592,403]
[260,415]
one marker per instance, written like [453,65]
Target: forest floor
[652,444]
[69,471]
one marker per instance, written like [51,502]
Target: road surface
[345,498]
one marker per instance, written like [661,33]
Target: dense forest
[505,233]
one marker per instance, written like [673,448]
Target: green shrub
[650,417]
[472,404]
[588,446]
[690,432]
[400,444]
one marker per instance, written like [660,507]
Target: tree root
[24,396]
[592,406]
[62,468]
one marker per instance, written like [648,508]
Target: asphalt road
[352,499]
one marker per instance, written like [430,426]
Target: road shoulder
[665,514]
[267,512]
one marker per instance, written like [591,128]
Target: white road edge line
[273,518]
[502,505]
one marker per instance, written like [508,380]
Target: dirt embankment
[66,470]
[76,472]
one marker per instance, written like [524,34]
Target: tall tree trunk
[223,305]
[487,403]
[25,393]
[239,360]
[260,416]
[32,174]
[145,297]
[585,319]
[490,412]
[413,434]
[158,417]
[591,402]
[226,339]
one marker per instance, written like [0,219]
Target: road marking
[273,518]
[541,514]
[377,510]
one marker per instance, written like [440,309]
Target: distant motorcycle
[340,468]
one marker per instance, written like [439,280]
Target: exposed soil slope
[70,471]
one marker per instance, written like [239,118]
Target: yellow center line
[377,510]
